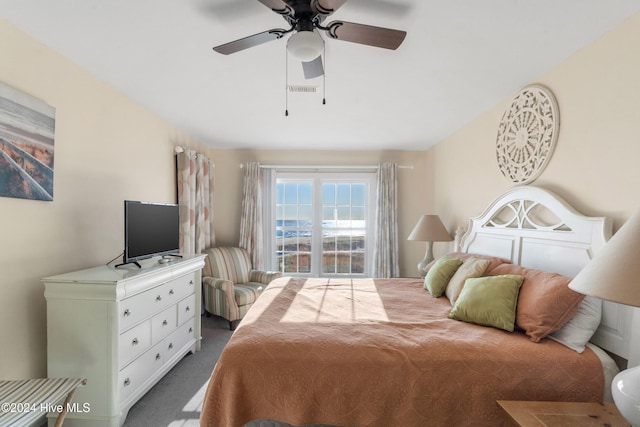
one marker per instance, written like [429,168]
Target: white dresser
[122,329]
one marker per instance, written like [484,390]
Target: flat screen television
[150,229]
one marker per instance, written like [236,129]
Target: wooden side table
[561,414]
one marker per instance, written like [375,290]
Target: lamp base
[626,394]
[428,257]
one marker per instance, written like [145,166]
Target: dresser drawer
[186,309]
[163,324]
[180,338]
[134,342]
[146,304]
[182,286]
[133,376]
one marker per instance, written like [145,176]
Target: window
[322,224]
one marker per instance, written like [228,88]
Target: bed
[386,352]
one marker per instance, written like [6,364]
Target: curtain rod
[352,167]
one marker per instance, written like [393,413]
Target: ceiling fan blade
[326,7]
[386,38]
[313,69]
[278,6]
[251,41]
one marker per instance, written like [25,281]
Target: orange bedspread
[381,352]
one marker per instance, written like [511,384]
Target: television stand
[132,262]
[168,258]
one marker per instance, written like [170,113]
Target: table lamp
[614,275]
[429,229]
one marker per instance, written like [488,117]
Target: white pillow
[577,332]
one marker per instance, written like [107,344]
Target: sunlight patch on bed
[320,299]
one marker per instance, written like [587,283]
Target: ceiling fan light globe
[305,45]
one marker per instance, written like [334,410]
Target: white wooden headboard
[537,229]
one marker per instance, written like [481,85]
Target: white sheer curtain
[251,221]
[195,197]
[385,253]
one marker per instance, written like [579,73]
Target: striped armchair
[230,285]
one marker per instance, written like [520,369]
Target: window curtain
[195,197]
[385,254]
[251,221]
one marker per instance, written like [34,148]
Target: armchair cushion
[264,277]
[247,293]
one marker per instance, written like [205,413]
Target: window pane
[305,194]
[328,194]
[357,262]
[328,214]
[279,194]
[357,194]
[343,262]
[357,214]
[290,193]
[344,215]
[344,194]
[305,213]
[304,262]
[357,242]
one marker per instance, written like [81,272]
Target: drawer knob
[170,345]
[158,298]
[127,312]
[190,330]
[171,292]
[158,356]
[127,382]
[165,323]
[187,309]
[191,282]
[135,341]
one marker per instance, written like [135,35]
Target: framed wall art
[27,129]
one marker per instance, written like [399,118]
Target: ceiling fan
[305,17]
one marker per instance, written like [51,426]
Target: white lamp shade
[614,272]
[429,229]
[305,45]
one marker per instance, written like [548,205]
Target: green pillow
[439,275]
[489,301]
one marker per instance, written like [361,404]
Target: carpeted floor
[176,399]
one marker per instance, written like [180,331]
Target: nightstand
[561,414]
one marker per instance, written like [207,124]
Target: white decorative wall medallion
[527,134]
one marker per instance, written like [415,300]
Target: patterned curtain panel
[251,222]
[195,197]
[385,253]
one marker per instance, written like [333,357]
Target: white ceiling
[459,59]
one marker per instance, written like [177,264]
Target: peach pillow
[545,302]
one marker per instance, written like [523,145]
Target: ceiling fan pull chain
[324,75]
[286,83]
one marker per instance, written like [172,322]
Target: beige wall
[413,193]
[107,149]
[595,166]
